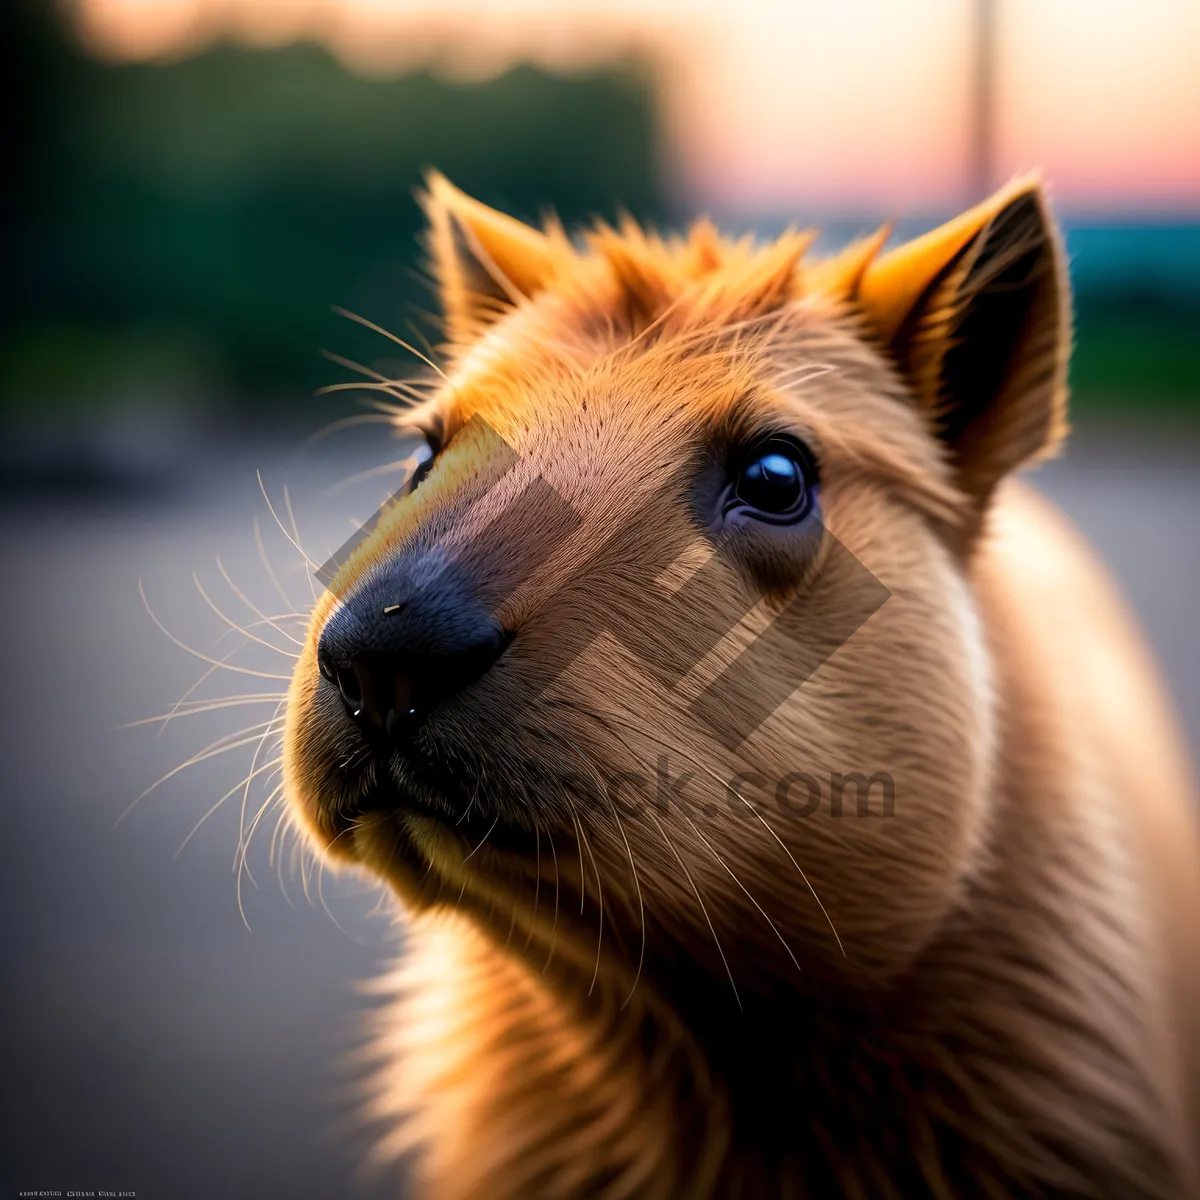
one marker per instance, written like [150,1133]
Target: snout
[408,639]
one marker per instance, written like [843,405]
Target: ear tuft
[484,262]
[647,277]
[772,279]
[977,316]
[842,275]
[703,249]
[756,281]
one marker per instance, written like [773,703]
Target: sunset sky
[854,103]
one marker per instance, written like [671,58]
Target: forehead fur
[637,350]
[692,333]
[627,279]
[959,336]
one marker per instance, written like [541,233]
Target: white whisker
[233,625]
[196,828]
[342,312]
[254,607]
[204,657]
[700,900]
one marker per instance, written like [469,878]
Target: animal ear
[977,315]
[484,262]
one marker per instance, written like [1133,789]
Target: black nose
[407,639]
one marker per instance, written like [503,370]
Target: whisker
[599,894]
[253,826]
[803,876]
[266,562]
[641,904]
[730,872]
[357,385]
[306,856]
[270,621]
[254,607]
[632,865]
[406,391]
[700,900]
[419,334]
[199,707]
[207,674]
[246,792]
[371,473]
[700,766]
[554,920]
[324,904]
[398,412]
[382,383]
[582,873]
[262,487]
[276,843]
[344,423]
[196,828]
[204,657]
[232,625]
[284,824]
[342,312]
[287,500]
[484,838]
[221,746]
[244,845]
[470,806]
[537,879]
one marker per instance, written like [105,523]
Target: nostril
[350,685]
[394,662]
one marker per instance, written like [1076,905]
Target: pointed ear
[977,315]
[484,262]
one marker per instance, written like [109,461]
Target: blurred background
[189,188]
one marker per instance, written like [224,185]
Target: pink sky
[770,105]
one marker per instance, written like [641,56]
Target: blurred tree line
[182,230]
[188,226]
[1137,314]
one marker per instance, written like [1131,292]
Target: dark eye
[774,482]
[424,456]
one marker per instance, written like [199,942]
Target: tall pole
[982,135]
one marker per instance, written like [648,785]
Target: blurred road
[151,1042]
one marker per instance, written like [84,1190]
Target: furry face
[669,656]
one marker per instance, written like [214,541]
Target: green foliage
[1146,358]
[181,231]
[1137,315]
[209,212]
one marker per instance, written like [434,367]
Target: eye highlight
[774,481]
[424,456]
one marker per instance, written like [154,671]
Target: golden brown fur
[993,991]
